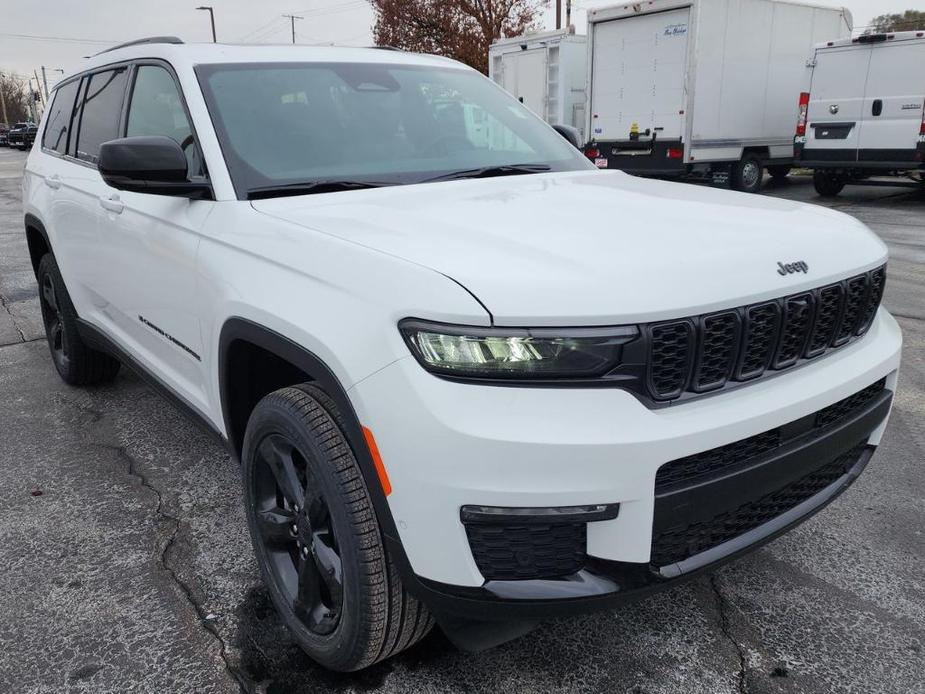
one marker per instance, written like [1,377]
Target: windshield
[283,124]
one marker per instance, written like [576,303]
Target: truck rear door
[638,70]
[836,102]
[893,102]
[524,75]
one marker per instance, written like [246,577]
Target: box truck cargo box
[862,114]
[547,72]
[703,87]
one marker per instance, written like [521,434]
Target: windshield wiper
[310,188]
[490,171]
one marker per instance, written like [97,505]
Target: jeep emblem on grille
[790,268]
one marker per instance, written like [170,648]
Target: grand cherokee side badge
[790,268]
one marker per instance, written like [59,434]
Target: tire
[746,174]
[76,362]
[779,171]
[312,522]
[828,184]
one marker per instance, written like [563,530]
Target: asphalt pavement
[125,564]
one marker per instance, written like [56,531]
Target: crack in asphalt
[21,342]
[722,606]
[6,307]
[132,469]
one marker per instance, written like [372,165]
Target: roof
[204,53]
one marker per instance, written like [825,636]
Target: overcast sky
[58,33]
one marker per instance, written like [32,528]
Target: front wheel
[316,535]
[827,183]
[747,173]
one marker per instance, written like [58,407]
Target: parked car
[4,131]
[863,112]
[469,383]
[22,135]
[701,88]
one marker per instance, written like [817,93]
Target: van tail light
[592,152]
[922,126]
[804,108]
[675,153]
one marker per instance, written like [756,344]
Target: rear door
[893,102]
[638,69]
[525,78]
[836,101]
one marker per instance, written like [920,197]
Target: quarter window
[101,109]
[59,120]
[157,109]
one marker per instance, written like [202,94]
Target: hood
[596,247]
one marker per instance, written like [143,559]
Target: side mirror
[149,164]
[573,135]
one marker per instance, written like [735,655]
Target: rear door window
[59,120]
[101,109]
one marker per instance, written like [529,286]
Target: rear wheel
[827,183]
[746,174]
[316,535]
[77,364]
[779,171]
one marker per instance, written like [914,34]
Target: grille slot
[508,552]
[669,358]
[845,407]
[704,353]
[677,544]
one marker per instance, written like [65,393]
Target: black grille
[669,358]
[697,468]
[707,352]
[678,544]
[521,552]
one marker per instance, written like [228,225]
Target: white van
[546,72]
[863,111]
[701,87]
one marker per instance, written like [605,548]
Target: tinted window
[59,120]
[157,109]
[102,106]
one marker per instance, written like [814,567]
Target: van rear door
[836,102]
[524,75]
[893,102]
[638,68]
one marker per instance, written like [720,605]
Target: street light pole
[45,82]
[292,18]
[211,19]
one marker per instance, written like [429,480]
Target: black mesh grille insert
[694,469]
[677,544]
[669,358]
[702,353]
[520,552]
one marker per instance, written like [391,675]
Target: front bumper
[447,445]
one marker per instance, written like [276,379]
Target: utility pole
[558,14]
[292,18]
[211,18]
[38,90]
[45,82]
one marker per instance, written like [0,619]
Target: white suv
[470,378]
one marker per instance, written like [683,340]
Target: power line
[69,39]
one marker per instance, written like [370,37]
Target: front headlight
[515,353]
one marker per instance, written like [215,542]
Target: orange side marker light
[377,461]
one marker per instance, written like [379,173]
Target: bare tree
[15,98]
[460,29]
[910,20]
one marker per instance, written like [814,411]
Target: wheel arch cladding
[37,240]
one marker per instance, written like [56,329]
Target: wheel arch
[37,241]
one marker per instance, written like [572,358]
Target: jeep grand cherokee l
[470,380]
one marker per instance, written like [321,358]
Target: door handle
[53,181]
[112,204]
[876,108]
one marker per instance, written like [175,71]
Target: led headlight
[515,353]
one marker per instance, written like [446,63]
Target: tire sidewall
[271,416]
[738,174]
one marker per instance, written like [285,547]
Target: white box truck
[862,114]
[702,87]
[547,72]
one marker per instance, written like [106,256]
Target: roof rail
[138,42]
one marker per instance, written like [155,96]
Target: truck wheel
[827,183]
[746,174]
[77,364]
[779,171]
[316,536]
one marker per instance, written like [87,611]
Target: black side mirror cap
[149,164]
[573,135]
